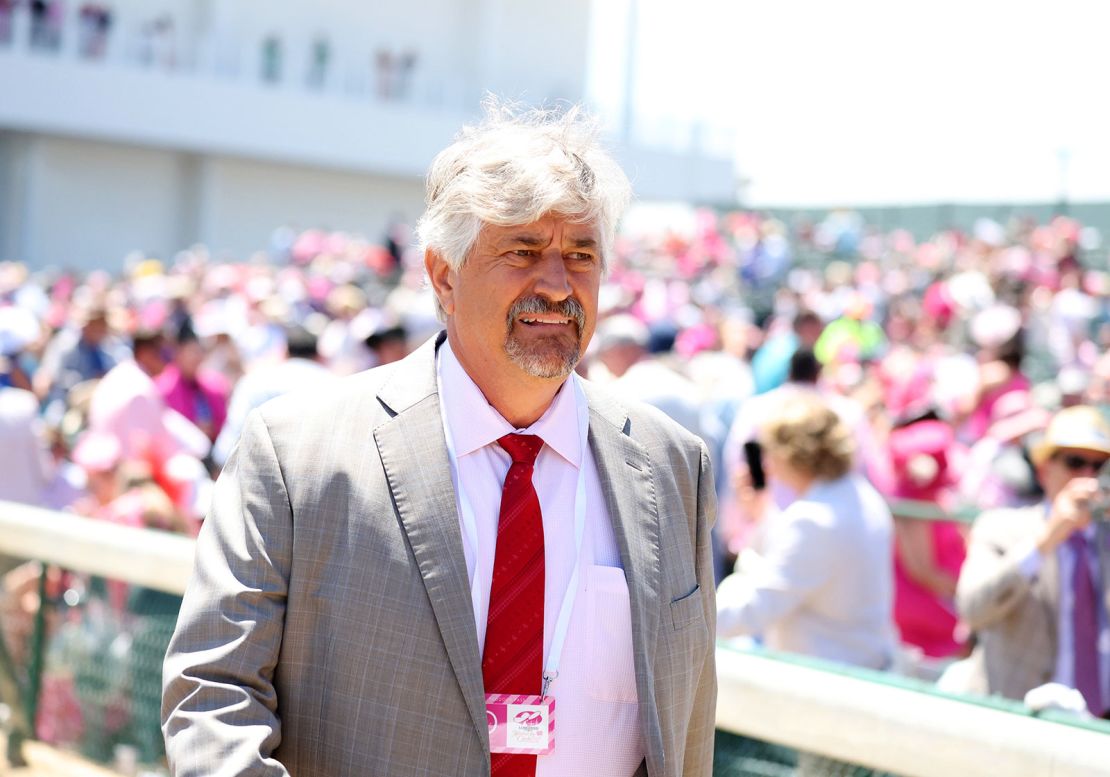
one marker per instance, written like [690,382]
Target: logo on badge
[491,721]
[528,718]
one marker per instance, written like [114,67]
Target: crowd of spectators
[123,393]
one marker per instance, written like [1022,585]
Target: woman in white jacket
[824,586]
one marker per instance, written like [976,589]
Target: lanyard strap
[470,526]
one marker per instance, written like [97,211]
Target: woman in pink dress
[928,553]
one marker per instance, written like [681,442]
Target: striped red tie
[512,661]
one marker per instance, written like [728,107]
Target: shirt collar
[474,423]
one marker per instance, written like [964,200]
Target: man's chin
[547,361]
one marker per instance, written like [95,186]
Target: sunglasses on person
[1076,463]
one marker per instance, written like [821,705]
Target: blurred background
[900,208]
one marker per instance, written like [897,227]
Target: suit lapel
[624,469]
[413,452]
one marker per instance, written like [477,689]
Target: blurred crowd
[123,393]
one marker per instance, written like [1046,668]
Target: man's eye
[526,252]
[579,256]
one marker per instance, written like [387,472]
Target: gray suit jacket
[1014,618]
[328,628]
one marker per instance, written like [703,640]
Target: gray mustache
[569,308]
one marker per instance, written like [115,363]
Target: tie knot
[523,448]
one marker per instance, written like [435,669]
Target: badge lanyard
[470,526]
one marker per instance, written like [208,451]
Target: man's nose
[552,281]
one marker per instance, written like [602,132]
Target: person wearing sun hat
[928,554]
[1036,584]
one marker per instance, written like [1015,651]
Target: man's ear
[442,278]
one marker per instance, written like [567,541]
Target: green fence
[738,756]
[92,679]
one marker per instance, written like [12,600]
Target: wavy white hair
[515,166]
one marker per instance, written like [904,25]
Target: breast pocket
[687,610]
[612,674]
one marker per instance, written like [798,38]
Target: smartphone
[753,454]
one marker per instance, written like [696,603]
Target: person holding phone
[744,507]
[1035,587]
[824,586]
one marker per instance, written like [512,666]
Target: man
[366,588]
[1035,587]
[301,370]
[126,404]
[86,350]
[771,363]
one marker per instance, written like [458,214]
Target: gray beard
[553,361]
[548,359]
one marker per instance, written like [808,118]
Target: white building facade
[153,124]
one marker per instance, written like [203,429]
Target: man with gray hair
[470,561]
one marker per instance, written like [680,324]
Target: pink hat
[1014,415]
[695,339]
[919,456]
[938,304]
[906,395]
[97,452]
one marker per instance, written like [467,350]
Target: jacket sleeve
[219,706]
[992,581]
[700,733]
[800,559]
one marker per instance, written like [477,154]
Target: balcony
[209,114]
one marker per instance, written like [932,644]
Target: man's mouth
[544,321]
[538,313]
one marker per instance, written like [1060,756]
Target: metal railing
[876,720]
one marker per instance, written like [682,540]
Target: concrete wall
[86,204]
[90,203]
[244,201]
[15,160]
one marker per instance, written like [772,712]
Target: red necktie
[512,661]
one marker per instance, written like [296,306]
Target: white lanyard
[470,526]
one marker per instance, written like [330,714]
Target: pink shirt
[127,405]
[597,719]
[209,390]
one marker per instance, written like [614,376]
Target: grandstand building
[154,124]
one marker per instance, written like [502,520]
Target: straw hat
[1074,428]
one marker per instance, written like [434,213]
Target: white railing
[154,559]
[886,726]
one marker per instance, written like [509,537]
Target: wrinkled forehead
[553,224]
